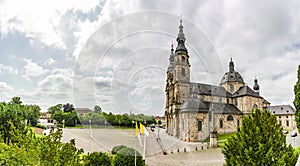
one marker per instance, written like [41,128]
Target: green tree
[297,99]
[260,141]
[55,108]
[97,109]
[97,159]
[32,114]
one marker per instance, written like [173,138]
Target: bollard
[184,150]
[201,147]
[196,148]
[178,150]
[171,151]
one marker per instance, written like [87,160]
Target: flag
[136,129]
[144,130]
[137,133]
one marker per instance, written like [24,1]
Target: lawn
[222,139]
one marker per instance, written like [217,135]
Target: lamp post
[90,122]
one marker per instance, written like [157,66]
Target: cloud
[50,61]
[7,69]
[6,91]
[32,69]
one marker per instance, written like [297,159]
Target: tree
[68,107]
[55,108]
[97,109]
[32,114]
[260,141]
[297,99]
[97,158]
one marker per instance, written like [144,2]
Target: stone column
[213,139]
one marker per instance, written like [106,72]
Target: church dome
[232,76]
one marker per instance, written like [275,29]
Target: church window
[287,116]
[287,123]
[209,115]
[227,101]
[183,71]
[220,99]
[221,123]
[235,102]
[199,125]
[254,106]
[231,88]
[182,59]
[229,118]
[238,122]
[279,116]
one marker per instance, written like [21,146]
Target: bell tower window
[182,59]
[183,71]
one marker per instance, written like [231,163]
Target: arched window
[221,123]
[183,71]
[199,125]
[231,88]
[220,99]
[238,122]
[254,106]
[229,118]
[287,123]
[235,102]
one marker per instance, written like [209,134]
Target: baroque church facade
[193,110]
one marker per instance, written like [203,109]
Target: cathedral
[193,110]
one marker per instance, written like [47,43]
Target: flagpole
[144,153]
[135,154]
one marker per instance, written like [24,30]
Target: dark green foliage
[126,156]
[97,159]
[118,148]
[260,141]
[97,109]
[297,99]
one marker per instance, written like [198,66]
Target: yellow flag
[136,129]
[142,128]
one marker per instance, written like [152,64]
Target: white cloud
[32,69]
[6,91]
[50,61]
[39,19]
[7,69]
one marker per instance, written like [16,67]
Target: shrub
[116,149]
[97,158]
[126,156]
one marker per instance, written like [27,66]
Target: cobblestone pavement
[105,139]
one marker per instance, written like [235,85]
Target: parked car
[294,133]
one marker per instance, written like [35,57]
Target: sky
[115,53]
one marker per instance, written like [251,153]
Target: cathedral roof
[206,89]
[232,75]
[196,105]
[245,91]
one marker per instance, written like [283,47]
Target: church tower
[232,80]
[181,68]
[178,83]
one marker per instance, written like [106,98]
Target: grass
[222,139]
